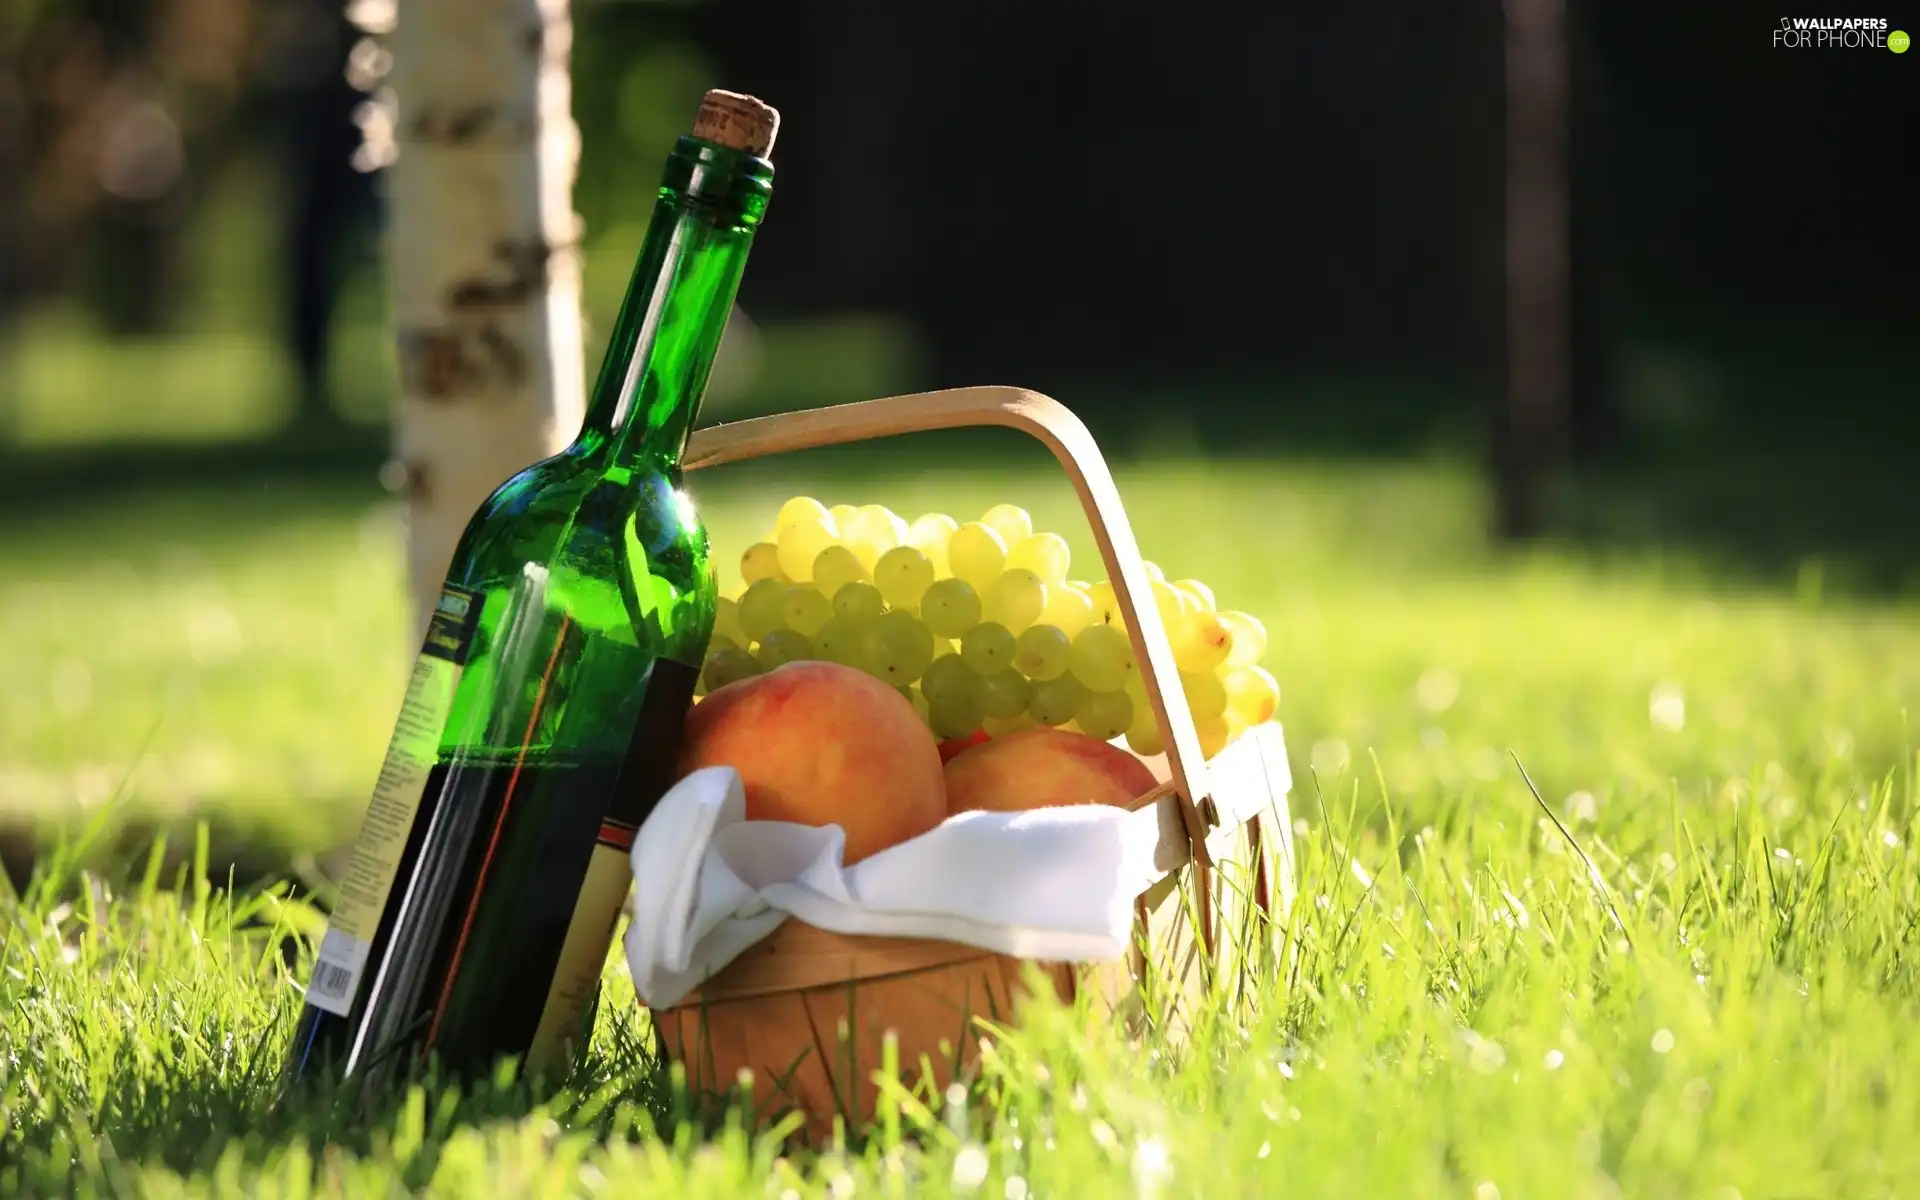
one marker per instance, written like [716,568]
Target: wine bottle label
[645,775]
[411,755]
[583,956]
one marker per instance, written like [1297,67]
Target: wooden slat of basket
[798,955]
[817,1049]
[1049,422]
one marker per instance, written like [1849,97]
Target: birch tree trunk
[483,259]
[1533,440]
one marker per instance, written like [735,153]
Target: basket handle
[1060,431]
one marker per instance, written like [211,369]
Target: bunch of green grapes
[979,626]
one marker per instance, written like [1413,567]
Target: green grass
[1704,986]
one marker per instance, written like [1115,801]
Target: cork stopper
[737,122]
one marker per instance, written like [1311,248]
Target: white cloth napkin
[1053,884]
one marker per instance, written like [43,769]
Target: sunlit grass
[1690,1000]
[1691,972]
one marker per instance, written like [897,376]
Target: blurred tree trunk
[1531,441]
[316,70]
[482,253]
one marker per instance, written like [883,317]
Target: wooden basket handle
[1060,431]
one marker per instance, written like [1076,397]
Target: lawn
[1691,973]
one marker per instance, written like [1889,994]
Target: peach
[1044,768]
[817,743]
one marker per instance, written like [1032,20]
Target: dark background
[1281,223]
[1273,189]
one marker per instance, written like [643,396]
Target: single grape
[1004,694]
[1206,695]
[835,568]
[930,533]
[842,640]
[1143,736]
[861,601]
[987,648]
[806,610]
[949,678]
[931,527]
[781,647]
[1045,554]
[899,648]
[1252,695]
[1010,521]
[726,621]
[761,561]
[978,554]
[1106,605]
[727,666]
[1249,638]
[954,716]
[903,576]
[763,607]
[1056,701]
[1067,609]
[1105,715]
[1234,727]
[1171,602]
[870,532]
[1201,641]
[801,542]
[950,607]
[800,510]
[1102,658]
[1015,599]
[1214,734]
[1200,593]
[1042,652]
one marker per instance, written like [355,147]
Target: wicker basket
[807,1011]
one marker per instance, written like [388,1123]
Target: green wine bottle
[544,714]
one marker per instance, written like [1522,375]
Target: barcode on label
[336,972]
[333,981]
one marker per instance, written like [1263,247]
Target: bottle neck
[676,308]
